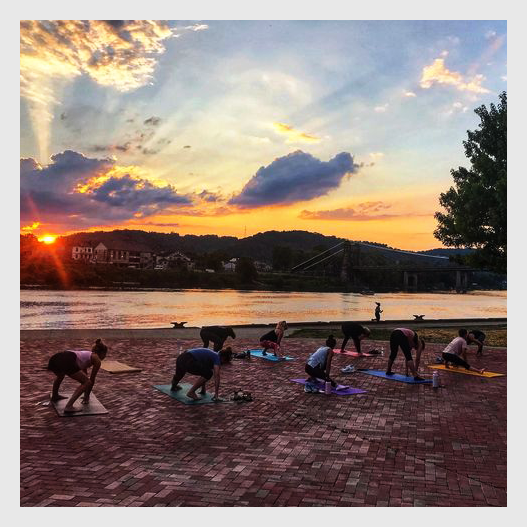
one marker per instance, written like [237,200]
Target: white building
[83,252]
[230,266]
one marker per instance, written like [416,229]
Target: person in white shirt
[456,352]
[318,365]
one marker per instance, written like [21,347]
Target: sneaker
[348,369]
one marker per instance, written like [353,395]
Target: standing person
[75,364]
[204,363]
[477,337]
[356,332]
[456,352]
[378,312]
[272,339]
[217,334]
[406,339]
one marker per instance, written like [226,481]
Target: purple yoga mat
[339,390]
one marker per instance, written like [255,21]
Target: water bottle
[435,379]
[248,354]
[382,352]
[328,388]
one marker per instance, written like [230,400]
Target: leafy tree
[282,258]
[476,208]
[246,270]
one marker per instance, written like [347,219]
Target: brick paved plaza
[396,445]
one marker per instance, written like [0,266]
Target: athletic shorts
[455,359]
[207,335]
[186,363]
[269,344]
[64,363]
[399,340]
[479,335]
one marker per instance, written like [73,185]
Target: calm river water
[157,309]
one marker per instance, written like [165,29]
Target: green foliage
[476,208]
[246,270]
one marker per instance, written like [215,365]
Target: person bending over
[356,332]
[406,339]
[204,363]
[75,364]
[217,335]
[477,337]
[318,365]
[272,339]
[456,352]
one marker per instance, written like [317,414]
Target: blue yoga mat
[269,356]
[394,377]
[182,398]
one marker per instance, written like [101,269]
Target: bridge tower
[350,259]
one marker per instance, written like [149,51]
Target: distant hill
[259,246]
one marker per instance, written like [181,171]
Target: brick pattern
[396,445]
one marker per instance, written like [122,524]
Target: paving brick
[396,445]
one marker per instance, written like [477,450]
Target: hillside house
[172,260]
[230,266]
[123,254]
[83,252]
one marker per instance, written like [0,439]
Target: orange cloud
[294,136]
[438,73]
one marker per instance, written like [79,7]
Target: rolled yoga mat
[94,407]
[259,353]
[459,369]
[339,390]
[394,377]
[180,396]
[114,366]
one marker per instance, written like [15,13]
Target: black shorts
[479,335]
[187,363]
[455,359]
[208,335]
[318,372]
[399,340]
[64,363]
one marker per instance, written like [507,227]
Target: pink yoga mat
[352,353]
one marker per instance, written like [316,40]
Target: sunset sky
[346,128]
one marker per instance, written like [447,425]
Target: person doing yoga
[406,339]
[204,363]
[356,332]
[318,365]
[75,364]
[272,339]
[477,337]
[217,335]
[456,353]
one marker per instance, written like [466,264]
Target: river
[45,309]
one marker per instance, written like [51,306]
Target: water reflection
[151,309]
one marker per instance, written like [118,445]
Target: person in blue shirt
[204,363]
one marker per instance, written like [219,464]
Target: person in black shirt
[272,339]
[217,335]
[477,337]
[356,332]
[378,312]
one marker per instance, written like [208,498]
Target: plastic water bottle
[435,379]
[328,388]
[382,352]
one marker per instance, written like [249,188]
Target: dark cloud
[153,121]
[111,148]
[295,177]
[211,197]
[70,191]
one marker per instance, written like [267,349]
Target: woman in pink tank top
[75,364]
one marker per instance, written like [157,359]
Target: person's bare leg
[198,384]
[85,382]
[203,390]
[56,385]
[480,371]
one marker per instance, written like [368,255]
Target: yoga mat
[114,366]
[455,369]
[94,407]
[180,396]
[339,390]
[394,377]
[352,353]
[269,356]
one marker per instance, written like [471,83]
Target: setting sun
[47,238]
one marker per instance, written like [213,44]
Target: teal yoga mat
[394,377]
[180,396]
[259,353]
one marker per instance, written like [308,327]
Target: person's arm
[216,382]
[464,353]
[96,364]
[280,334]
[328,362]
